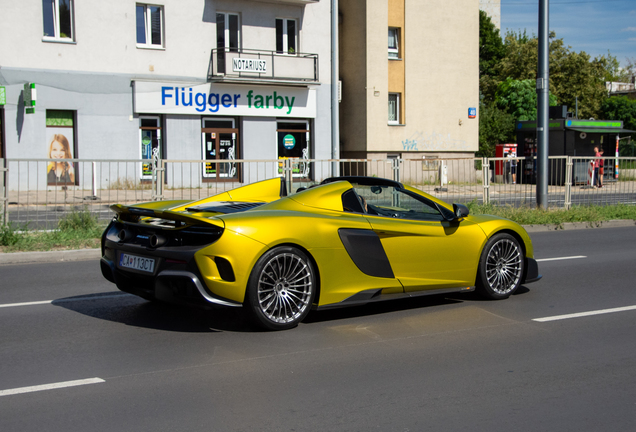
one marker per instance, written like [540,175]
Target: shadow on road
[133,311]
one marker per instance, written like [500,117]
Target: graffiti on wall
[421,141]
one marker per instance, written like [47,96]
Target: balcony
[263,67]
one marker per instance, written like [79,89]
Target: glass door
[220,149]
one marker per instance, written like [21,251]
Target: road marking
[561,258]
[67,300]
[50,386]
[585,314]
[26,304]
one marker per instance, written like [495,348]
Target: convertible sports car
[347,241]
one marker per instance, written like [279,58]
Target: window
[228,37]
[293,143]
[58,20]
[286,36]
[394,108]
[220,147]
[394,43]
[150,140]
[149,26]
[390,202]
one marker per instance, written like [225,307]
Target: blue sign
[472,112]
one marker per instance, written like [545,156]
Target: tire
[281,288]
[501,267]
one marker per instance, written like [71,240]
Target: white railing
[32,195]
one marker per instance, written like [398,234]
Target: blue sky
[593,26]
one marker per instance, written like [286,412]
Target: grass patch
[534,216]
[77,230]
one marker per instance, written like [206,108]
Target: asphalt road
[438,363]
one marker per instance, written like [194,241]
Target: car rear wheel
[500,267]
[281,288]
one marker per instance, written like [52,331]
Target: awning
[600,130]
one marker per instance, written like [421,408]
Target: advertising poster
[60,145]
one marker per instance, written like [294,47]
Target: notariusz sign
[224,99]
[249,65]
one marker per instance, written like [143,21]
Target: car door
[425,250]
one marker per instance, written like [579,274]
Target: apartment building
[417,96]
[181,79]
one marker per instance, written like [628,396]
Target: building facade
[418,96]
[181,79]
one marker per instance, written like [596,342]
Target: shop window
[394,108]
[149,26]
[286,36]
[58,20]
[394,43]
[61,148]
[293,138]
[228,37]
[150,143]
[220,141]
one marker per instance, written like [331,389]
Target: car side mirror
[460,211]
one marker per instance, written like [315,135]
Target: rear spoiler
[136,214]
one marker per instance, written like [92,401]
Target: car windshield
[392,202]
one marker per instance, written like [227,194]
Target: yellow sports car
[347,241]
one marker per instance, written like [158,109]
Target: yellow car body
[397,242]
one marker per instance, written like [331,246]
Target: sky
[593,26]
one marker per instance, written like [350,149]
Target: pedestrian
[601,163]
[597,167]
[513,166]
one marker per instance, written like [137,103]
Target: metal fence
[37,193]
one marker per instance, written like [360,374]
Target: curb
[49,256]
[93,254]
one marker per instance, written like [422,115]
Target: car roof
[364,180]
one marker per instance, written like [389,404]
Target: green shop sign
[3,95]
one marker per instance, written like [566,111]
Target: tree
[491,47]
[495,127]
[624,109]
[519,98]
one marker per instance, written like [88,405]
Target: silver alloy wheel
[504,266]
[284,288]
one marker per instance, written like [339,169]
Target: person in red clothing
[598,170]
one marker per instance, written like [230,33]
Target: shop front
[222,123]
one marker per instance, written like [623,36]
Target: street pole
[335,132]
[543,101]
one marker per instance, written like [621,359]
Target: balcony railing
[263,66]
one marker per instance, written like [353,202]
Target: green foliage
[78,220]
[491,48]
[535,216]
[620,108]
[9,235]
[496,126]
[519,98]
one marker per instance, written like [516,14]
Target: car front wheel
[281,288]
[500,267]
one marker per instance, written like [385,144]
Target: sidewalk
[95,254]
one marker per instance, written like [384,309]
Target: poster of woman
[59,172]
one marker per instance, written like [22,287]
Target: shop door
[220,148]
[150,141]
[293,139]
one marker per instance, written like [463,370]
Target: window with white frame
[228,36]
[286,36]
[394,108]
[58,20]
[149,26]
[394,42]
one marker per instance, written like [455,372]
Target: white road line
[67,300]
[585,314]
[562,258]
[26,304]
[51,386]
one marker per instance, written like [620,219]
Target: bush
[9,235]
[79,220]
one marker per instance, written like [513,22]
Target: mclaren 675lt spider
[347,241]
